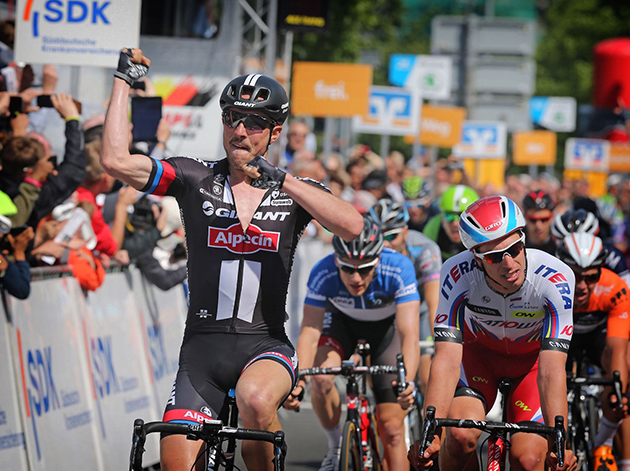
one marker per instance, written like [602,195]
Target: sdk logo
[70,11]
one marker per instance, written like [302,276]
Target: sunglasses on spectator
[590,279]
[391,235]
[364,269]
[252,122]
[450,217]
[496,256]
[539,218]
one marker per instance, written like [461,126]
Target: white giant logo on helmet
[242,103]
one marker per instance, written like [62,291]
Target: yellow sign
[596,181]
[486,172]
[619,158]
[440,126]
[535,148]
[329,89]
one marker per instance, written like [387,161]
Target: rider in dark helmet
[538,209]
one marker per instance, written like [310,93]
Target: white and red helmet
[488,219]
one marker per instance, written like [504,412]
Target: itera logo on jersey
[235,241]
[70,11]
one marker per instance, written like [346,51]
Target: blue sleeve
[17,279]
[321,282]
[406,283]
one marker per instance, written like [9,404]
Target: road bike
[360,446]
[214,434]
[583,398]
[498,441]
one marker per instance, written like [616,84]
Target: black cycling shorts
[210,364]
[341,333]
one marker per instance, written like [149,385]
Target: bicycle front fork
[497,448]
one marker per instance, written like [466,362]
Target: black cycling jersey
[238,279]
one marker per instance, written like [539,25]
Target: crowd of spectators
[65,210]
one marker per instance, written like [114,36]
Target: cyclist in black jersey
[243,218]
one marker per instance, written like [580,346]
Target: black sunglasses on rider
[590,279]
[252,122]
[364,269]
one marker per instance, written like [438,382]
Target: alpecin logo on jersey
[235,241]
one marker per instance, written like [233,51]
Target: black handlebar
[349,370]
[431,423]
[207,431]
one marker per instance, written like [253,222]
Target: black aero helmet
[257,92]
[367,246]
[538,200]
[390,215]
[574,220]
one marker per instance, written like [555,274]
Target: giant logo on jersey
[235,241]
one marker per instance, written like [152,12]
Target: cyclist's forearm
[443,377]
[307,346]
[616,351]
[552,386]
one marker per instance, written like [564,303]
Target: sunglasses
[252,122]
[538,219]
[364,269]
[391,235]
[497,256]
[589,279]
[417,203]
[450,217]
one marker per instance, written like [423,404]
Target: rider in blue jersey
[362,291]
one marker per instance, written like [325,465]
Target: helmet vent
[246,92]
[473,222]
[262,95]
[503,208]
[232,91]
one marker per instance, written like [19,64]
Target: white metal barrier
[76,371]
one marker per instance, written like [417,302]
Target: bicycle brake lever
[559,439]
[402,373]
[428,429]
[617,388]
[138,440]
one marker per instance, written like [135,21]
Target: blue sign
[482,139]
[587,154]
[391,111]
[400,66]
[554,113]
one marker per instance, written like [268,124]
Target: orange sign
[329,89]
[619,158]
[486,172]
[440,126]
[596,181]
[535,148]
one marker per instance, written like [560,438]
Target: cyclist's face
[358,281]
[538,223]
[450,222]
[508,275]
[585,282]
[396,240]
[242,145]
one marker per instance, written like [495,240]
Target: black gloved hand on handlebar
[270,175]
[128,70]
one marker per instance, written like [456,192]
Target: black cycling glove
[270,175]
[128,70]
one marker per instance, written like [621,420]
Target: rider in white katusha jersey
[504,312]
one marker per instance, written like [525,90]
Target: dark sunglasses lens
[365,271]
[390,237]
[251,122]
[362,271]
[348,270]
[590,279]
[513,252]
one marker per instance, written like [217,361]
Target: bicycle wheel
[350,459]
[374,453]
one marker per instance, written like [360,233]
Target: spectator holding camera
[15,272]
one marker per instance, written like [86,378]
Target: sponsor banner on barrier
[535,147]
[482,140]
[75,32]
[330,89]
[392,111]
[59,415]
[118,370]
[162,316]
[12,445]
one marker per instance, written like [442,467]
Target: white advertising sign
[162,316]
[191,107]
[432,75]
[554,113]
[12,446]
[75,32]
[119,370]
[56,395]
[482,140]
[391,111]
[587,154]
